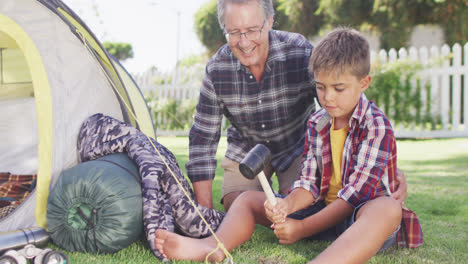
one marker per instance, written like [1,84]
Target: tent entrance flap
[15,79]
[54,74]
[18,151]
[18,130]
[24,79]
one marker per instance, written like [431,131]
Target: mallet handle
[266,188]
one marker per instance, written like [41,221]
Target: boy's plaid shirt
[368,166]
[273,112]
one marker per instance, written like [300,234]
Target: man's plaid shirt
[273,112]
[368,166]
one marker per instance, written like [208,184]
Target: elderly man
[260,82]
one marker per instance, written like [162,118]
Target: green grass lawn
[437,176]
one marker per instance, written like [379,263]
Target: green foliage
[393,91]
[393,19]
[174,115]
[281,20]
[119,50]
[191,61]
[452,15]
[345,12]
[301,16]
[170,114]
[207,27]
[396,88]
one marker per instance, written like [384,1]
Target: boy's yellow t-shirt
[337,140]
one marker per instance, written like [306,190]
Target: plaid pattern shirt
[13,190]
[273,112]
[368,166]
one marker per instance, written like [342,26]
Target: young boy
[348,174]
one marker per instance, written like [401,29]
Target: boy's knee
[252,199]
[386,208]
[394,209]
[252,196]
[390,208]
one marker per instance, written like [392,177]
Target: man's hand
[203,193]
[402,190]
[289,231]
[277,213]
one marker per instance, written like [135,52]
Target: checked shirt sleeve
[309,177]
[369,162]
[204,134]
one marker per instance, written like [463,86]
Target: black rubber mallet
[253,164]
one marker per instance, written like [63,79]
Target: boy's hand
[289,231]
[276,214]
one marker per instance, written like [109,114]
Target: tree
[288,17]
[393,19]
[299,16]
[119,50]
[452,15]
[207,27]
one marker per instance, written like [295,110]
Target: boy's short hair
[342,50]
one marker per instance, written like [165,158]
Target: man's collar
[275,50]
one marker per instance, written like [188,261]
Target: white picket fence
[448,82]
[178,85]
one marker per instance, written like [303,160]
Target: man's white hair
[267,6]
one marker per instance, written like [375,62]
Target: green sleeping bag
[96,206]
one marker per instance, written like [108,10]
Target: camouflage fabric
[165,206]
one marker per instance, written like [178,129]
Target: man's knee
[284,191]
[234,183]
[229,198]
[287,178]
[254,201]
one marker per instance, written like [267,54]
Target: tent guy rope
[220,245]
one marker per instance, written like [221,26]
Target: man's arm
[402,188]
[203,193]
[203,143]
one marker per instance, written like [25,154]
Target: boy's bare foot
[177,247]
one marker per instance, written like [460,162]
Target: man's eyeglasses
[250,35]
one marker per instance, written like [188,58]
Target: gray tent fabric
[96,206]
[54,74]
[165,206]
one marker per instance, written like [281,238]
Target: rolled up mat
[96,206]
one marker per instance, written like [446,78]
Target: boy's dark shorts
[334,232]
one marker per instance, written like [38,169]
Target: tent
[54,73]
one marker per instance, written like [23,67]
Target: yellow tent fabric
[44,112]
[138,108]
[102,57]
[58,65]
